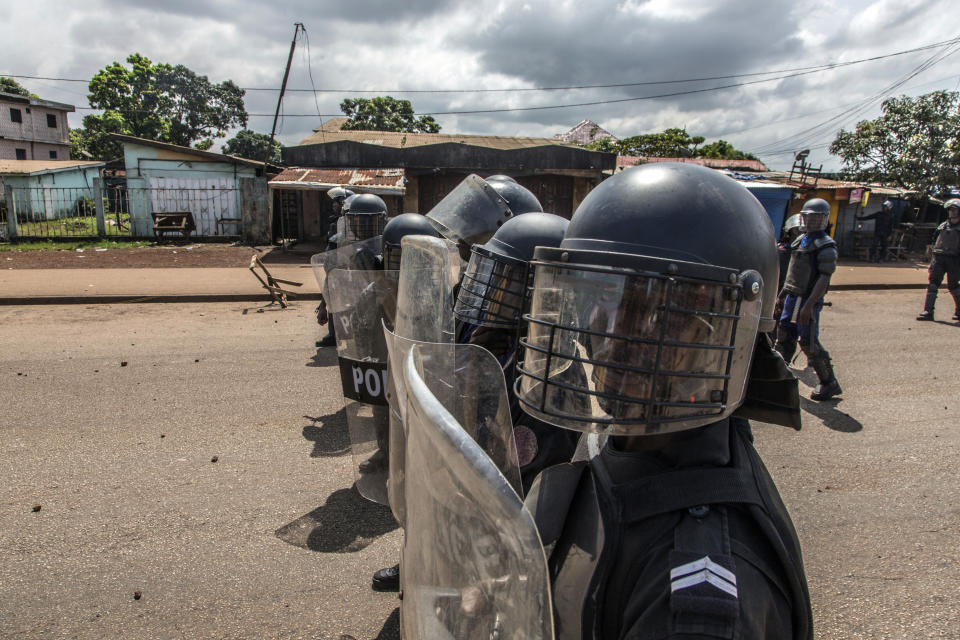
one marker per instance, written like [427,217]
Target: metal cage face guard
[391,256]
[813,221]
[635,352]
[492,290]
[362,226]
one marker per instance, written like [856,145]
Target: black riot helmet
[645,319]
[494,284]
[365,216]
[519,198]
[405,224]
[814,215]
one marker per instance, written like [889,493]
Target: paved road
[270,541]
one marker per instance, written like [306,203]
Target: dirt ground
[191,255]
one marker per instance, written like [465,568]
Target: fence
[117,209]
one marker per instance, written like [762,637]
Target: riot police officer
[364,216]
[490,301]
[339,195]
[946,261]
[643,327]
[882,229]
[813,261]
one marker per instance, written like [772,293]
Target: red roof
[371,180]
[713,163]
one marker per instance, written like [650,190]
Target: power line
[557,106]
[821,67]
[803,138]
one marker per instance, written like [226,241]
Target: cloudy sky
[457,55]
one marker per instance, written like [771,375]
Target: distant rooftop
[584,133]
[713,163]
[401,140]
[36,102]
[32,167]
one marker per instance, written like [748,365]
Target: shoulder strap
[549,499]
[676,490]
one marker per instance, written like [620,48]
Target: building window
[53,155]
[15,115]
[51,120]
[21,154]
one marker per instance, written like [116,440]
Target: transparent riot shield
[429,270]
[359,255]
[361,303]
[473,563]
[471,213]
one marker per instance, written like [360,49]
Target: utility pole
[297,28]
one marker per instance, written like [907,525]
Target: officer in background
[882,229]
[338,195]
[946,261]
[490,301]
[812,263]
[675,529]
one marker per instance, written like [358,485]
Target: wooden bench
[175,221]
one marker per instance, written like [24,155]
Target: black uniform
[882,229]
[946,262]
[689,540]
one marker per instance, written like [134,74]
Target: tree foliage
[385,113]
[671,143]
[159,102]
[913,144]
[252,145]
[10,85]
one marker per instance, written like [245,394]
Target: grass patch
[69,245]
[117,224]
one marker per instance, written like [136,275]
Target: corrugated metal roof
[29,167]
[713,163]
[401,140]
[369,180]
[209,155]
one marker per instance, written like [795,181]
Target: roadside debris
[278,294]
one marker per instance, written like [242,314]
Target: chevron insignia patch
[703,571]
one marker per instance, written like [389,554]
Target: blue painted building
[226,195]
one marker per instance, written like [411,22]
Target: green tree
[10,85]
[723,150]
[607,145]
[914,144]
[252,145]
[385,113]
[159,102]
[671,143]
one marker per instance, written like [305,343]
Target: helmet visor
[633,354]
[363,226]
[813,221]
[492,290]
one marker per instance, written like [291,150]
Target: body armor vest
[948,239]
[808,263]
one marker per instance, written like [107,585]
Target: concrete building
[225,195]
[33,129]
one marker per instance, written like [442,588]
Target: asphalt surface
[271,541]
